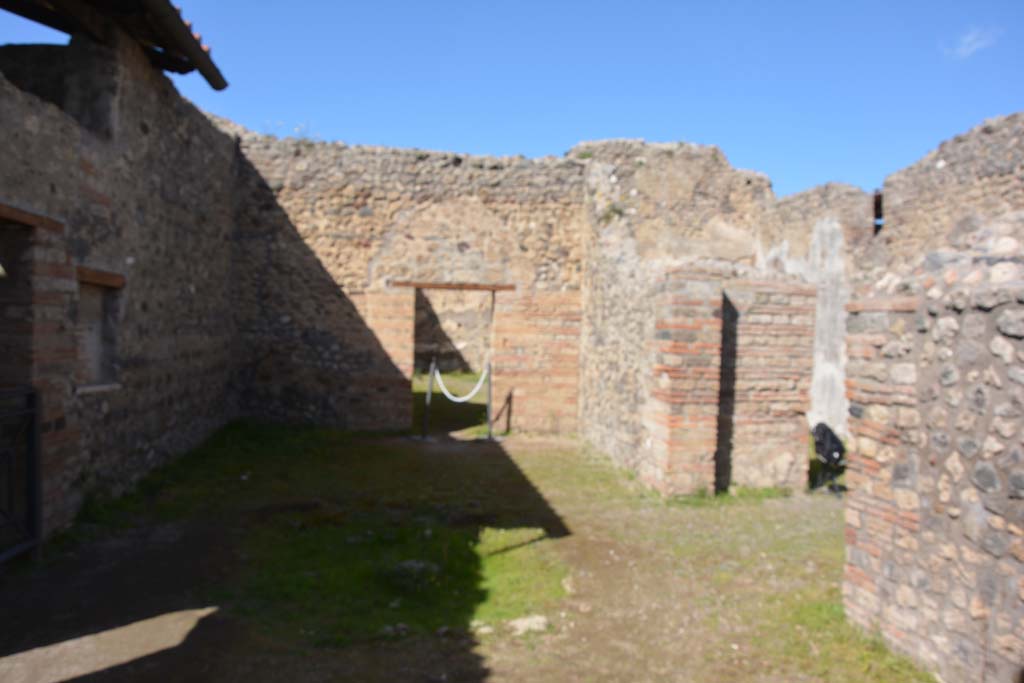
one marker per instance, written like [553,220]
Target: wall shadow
[306,353]
[15,296]
[432,342]
[726,396]
[382,491]
[446,416]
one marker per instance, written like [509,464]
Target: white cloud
[974,40]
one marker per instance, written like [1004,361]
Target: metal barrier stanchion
[430,390]
[490,403]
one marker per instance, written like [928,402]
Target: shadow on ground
[449,419]
[274,551]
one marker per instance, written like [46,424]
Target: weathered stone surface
[131,180]
[1011,323]
[1002,348]
[985,477]
[668,308]
[968,210]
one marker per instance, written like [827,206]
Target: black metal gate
[19,472]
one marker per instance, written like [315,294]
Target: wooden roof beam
[184,41]
[39,14]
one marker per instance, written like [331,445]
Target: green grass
[463,420]
[612,212]
[338,581]
[809,631]
[337,538]
[735,496]
[341,538]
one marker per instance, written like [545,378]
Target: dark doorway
[19,437]
[15,305]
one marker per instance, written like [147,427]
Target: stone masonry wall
[773,360]
[661,214]
[536,359]
[360,218]
[650,208]
[731,378]
[935,518]
[723,379]
[683,378]
[130,180]
[953,191]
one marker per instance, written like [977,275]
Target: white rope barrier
[461,399]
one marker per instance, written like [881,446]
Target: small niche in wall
[99,296]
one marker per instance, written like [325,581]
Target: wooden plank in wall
[101,278]
[471,286]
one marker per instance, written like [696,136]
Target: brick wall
[138,182]
[685,364]
[40,341]
[536,359]
[935,515]
[391,316]
[726,379]
[774,361]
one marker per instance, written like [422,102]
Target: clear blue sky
[806,92]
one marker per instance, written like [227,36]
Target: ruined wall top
[961,186]
[377,214]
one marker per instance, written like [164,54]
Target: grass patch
[360,577]
[809,633]
[735,496]
[341,538]
[463,420]
[612,212]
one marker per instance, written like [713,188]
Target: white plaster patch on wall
[828,385]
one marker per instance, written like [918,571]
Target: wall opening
[15,305]
[454,330]
[453,327]
[879,215]
[98,315]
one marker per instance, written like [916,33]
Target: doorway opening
[452,358]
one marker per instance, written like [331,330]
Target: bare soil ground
[239,564]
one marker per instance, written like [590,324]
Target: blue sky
[805,92]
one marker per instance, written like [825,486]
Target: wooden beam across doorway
[102,278]
[472,286]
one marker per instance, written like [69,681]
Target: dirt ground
[654,590]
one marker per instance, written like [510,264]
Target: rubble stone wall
[134,182]
[935,513]
[935,516]
[961,186]
[665,219]
[366,217]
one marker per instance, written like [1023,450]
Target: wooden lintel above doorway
[470,286]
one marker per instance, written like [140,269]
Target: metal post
[490,378]
[430,390]
[490,403]
[35,468]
